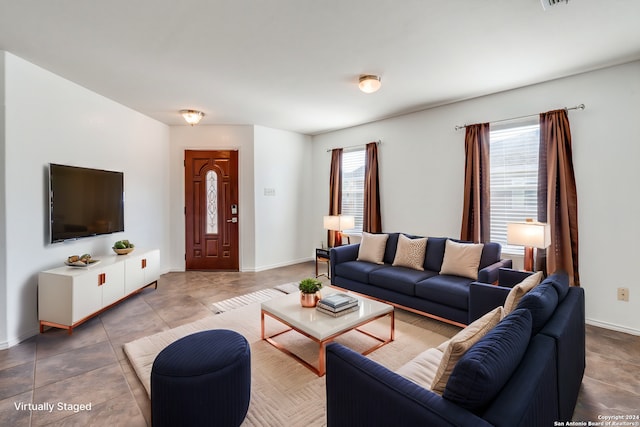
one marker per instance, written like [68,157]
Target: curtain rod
[354,146]
[577,107]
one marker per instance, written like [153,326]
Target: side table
[323,255]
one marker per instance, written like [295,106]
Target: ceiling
[294,64]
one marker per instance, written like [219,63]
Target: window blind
[513,162]
[353,186]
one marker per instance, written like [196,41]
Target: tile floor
[90,366]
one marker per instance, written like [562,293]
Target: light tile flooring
[90,366]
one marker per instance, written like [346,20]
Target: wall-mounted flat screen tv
[84,202]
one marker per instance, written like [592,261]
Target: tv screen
[84,202]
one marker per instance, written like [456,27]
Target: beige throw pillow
[460,343]
[422,368]
[462,259]
[518,291]
[410,252]
[372,247]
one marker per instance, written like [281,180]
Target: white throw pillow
[518,291]
[460,343]
[372,247]
[462,259]
[410,252]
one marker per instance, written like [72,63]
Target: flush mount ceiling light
[369,83]
[192,117]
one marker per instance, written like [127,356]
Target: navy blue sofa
[527,371]
[445,297]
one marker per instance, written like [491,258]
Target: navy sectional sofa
[526,371]
[445,297]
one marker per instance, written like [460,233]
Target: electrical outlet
[623,294]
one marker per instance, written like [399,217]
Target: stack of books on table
[337,304]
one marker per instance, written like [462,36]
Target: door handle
[234,220]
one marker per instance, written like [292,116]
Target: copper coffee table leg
[322,359]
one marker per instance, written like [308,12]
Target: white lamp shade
[339,222]
[529,233]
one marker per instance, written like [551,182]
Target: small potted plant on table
[309,290]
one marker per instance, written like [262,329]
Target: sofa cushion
[356,270]
[372,247]
[518,291]
[486,367]
[410,252]
[491,253]
[541,301]
[435,253]
[560,281]
[462,259]
[399,279]
[390,249]
[460,344]
[422,368]
[452,291]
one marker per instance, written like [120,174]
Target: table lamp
[339,223]
[530,234]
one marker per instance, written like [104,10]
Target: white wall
[52,120]
[422,161]
[283,216]
[3,242]
[419,165]
[221,137]
[274,230]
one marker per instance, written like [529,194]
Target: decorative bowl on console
[123,247]
[123,251]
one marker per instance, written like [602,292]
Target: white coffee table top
[319,325]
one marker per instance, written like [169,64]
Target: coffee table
[322,328]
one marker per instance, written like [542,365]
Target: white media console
[69,296]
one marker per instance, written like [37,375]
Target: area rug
[257,296]
[288,288]
[283,392]
[246,299]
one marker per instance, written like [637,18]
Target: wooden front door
[211,210]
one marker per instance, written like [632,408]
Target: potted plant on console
[309,289]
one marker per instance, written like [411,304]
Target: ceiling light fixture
[369,83]
[549,3]
[192,117]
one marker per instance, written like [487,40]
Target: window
[353,186]
[212,202]
[513,178]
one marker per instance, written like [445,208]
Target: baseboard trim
[282,264]
[182,269]
[23,337]
[613,327]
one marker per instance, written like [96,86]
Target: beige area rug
[246,299]
[283,392]
[257,296]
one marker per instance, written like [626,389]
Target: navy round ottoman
[203,379]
